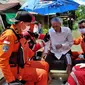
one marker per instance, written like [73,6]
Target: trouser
[34,73]
[54,63]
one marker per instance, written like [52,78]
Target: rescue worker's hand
[47,37]
[15,83]
[58,46]
[81,56]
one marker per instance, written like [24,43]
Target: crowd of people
[18,47]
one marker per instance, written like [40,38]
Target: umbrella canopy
[48,7]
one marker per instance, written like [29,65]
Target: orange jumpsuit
[77,76]
[31,72]
[77,42]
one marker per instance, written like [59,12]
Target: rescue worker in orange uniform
[33,72]
[77,76]
[31,37]
[81,41]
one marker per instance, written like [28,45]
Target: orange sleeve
[6,47]
[77,41]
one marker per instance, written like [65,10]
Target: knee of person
[46,64]
[43,72]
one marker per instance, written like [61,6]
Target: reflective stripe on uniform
[73,69]
[67,83]
[6,42]
[74,77]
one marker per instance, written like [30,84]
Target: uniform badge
[5,48]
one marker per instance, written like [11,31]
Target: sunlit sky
[80,1]
[22,1]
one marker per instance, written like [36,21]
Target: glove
[33,34]
[81,56]
[15,83]
[47,37]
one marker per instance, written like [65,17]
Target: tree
[80,13]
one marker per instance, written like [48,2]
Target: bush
[75,26]
[45,29]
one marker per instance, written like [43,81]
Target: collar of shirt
[62,30]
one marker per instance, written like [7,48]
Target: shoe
[64,82]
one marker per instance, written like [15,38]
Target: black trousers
[54,63]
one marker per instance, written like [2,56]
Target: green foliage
[75,26]
[80,13]
[0,29]
[45,29]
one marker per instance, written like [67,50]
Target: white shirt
[64,37]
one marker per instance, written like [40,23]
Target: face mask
[82,30]
[27,28]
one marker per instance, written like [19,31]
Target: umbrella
[48,7]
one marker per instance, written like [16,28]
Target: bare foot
[49,79]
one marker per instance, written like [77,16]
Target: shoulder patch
[5,48]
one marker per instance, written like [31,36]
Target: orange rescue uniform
[82,44]
[33,71]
